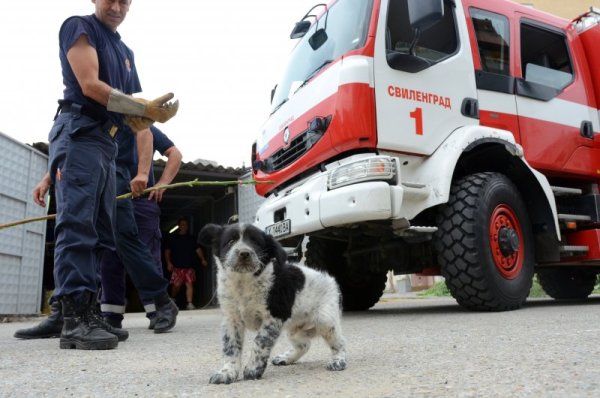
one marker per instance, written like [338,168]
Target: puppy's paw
[336,364]
[223,377]
[253,373]
[280,360]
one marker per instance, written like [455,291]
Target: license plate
[280,228]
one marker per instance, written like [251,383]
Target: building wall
[566,9]
[22,246]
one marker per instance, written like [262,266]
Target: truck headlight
[372,169]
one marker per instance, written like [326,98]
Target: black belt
[69,107]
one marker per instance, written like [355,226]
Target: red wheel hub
[506,242]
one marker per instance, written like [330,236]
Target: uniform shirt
[115,61]
[127,155]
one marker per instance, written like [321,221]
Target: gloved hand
[158,110]
[138,123]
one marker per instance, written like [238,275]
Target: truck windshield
[347,26]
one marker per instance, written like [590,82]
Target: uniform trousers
[147,219]
[82,170]
[135,255]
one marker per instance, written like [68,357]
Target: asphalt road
[403,347]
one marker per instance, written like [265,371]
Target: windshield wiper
[313,73]
[279,106]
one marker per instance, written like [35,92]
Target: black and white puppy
[259,290]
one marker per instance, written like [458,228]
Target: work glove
[138,123]
[158,110]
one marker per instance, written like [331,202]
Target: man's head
[183,225]
[112,12]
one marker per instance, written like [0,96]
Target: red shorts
[183,275]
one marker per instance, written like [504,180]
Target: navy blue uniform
[138,242]
[82,159]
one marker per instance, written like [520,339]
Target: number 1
[417,114]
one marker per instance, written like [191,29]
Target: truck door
[492,38]
[556,120]
[422,97]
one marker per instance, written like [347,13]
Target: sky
[219,58]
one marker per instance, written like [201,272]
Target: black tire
[361,288]
[484,243]
[567,283]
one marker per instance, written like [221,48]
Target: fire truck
[438,137]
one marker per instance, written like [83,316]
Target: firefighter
[147,221]
[99,74]
[147,214]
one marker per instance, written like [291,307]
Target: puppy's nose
[244,254]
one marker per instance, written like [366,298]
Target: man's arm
[84,62]
[169,261]
[40,190]
[144,150]
[200,254]
[83,59]
[171,169]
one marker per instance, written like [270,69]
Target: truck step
[422,230]
[414,231]
[564,191]
[573,217]
[570,249]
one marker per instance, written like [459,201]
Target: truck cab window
[346,27]
[493,41]
[544,57]
[433,45]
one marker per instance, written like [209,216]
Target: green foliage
[536,289]
[437,290]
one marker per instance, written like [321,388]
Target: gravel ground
[403,347]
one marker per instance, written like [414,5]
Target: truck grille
[299,145]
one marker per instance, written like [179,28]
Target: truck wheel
[484,243]
[361,288]
[567,283]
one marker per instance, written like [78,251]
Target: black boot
[152,317]
[50,327]
[97,319]
[166,313]
[113,319]
[78,332]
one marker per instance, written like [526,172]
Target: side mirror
[318,39]
[273,92]
[423,14]
[300,29]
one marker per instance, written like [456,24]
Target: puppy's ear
[209,234]
[276,250]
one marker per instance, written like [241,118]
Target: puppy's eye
[229,243]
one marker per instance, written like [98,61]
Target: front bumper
[312,207]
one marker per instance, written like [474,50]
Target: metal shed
[22,246]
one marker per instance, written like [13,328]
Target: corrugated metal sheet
[248,201]
[21,247]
